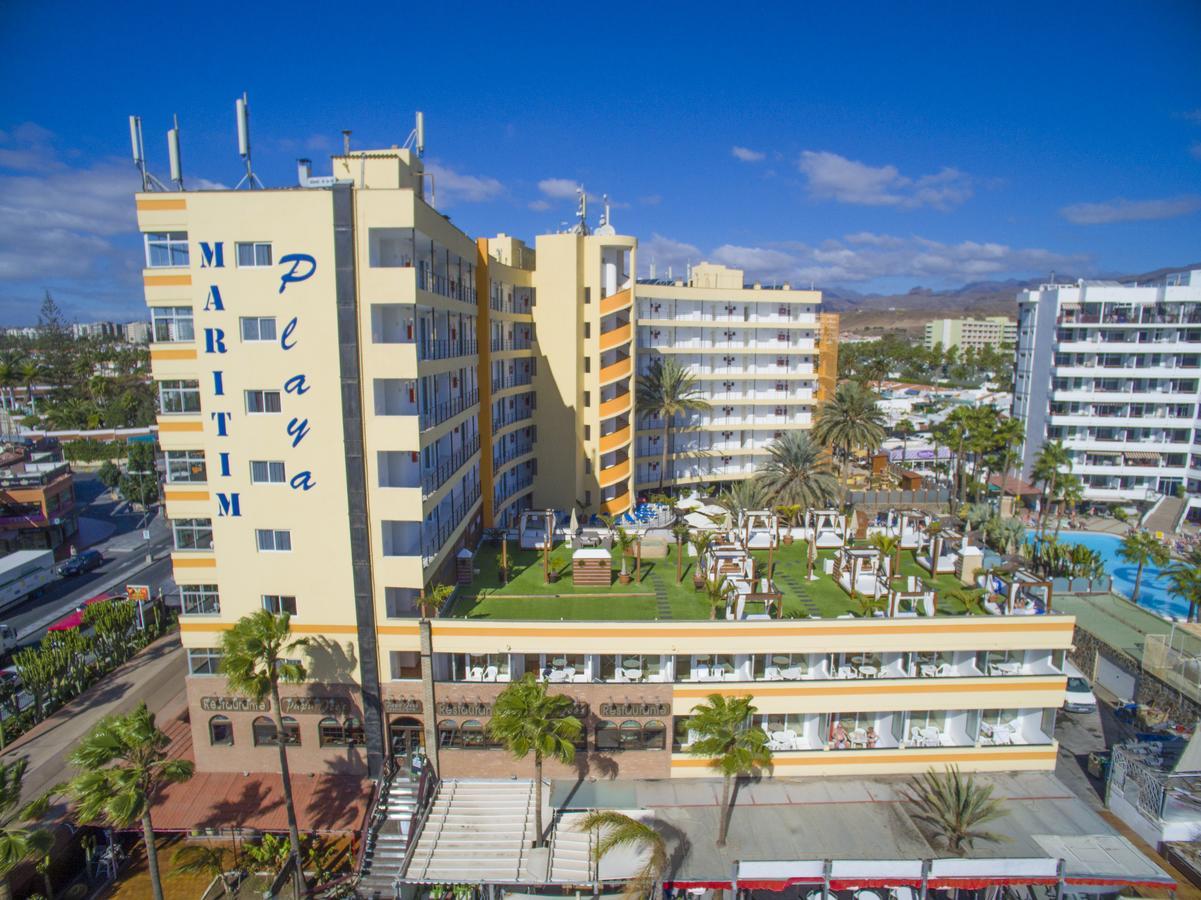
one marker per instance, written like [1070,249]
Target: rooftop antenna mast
[242,109]
[149,182]
[416,138]
[582,211]
[173,155]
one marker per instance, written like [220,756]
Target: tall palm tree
[1050,465]
[700,544]
[953,807]
[1068,495]
[715,592]
[733,746]
[1139,548]
[18,844]
[889,546]
[906,430]
[257,654]
[954,432]
[665,391]
[437,596]
[848,421]
[526,719]
[1010,435]
[620,830]
[123,764]
[797,472]
[203,859]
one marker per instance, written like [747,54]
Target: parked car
[81,562]
[1079,697]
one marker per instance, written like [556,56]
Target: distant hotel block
[992,331]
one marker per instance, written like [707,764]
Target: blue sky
[876,147]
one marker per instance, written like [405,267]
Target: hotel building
[991,331]
[754,352]
[352,390]
[1114,371]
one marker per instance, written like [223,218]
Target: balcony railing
[442,410]
[517,379]
[440,284]
[515,486]
[501,344]
[439,535]
[445,348]
[514,415]
[501,457]
[441,473]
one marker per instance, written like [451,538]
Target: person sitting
[839,737]
[872,737]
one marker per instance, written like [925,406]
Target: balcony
[517,379]
[501,345]
[434,478]
[614,302]
[444,348]
[617,405]
[436,537]
[440,411]
[616,337]
[620,369]
[615,439]
[615,474]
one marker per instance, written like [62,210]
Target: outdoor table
[631,662]
[868,671]
[559,661]
[782,660]
[928,671]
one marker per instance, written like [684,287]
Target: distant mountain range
[978,298]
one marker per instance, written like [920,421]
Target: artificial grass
[528,596]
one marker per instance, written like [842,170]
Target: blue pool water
[1154,592]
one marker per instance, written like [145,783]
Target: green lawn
[529,596]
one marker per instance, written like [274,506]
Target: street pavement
[125,553]
[156,675]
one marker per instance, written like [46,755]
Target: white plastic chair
[772,673]
[490,673]
[476,674]
[700,673]
[859,738]
[791,739]
[932,736]
[1002,735]
[916,738]
[847,672]
[792,673]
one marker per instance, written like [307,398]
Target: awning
[1145,455]
[981,873]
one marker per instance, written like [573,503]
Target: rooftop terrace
[656,594]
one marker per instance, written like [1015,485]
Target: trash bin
[1097,764]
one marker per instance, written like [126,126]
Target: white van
[1079,696]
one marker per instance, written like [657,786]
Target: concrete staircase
[477,830]
[571,852]
[387,842]
[1164,515]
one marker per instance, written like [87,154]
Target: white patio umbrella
[699,521]
[689,503]
[712,509]
[575,522]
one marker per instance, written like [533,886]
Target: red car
[75,619]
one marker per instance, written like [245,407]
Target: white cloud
[558,188]
[746,154]
[1195,150]
[1123,210]
[665,252]
[834,177]
[864,257]
[454,187]
[651,200]
[1193,115]
[539,205]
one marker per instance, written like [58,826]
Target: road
[125,553]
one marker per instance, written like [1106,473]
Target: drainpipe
[430,718]
[827,866]
[925,889]
[1060,872]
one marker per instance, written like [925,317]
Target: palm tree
[715,592]
[526,719]
[680,532]
[1068,494]
[953,807]
[621,830]
[437,596]
[733,746]
[700,543]
[906,430]
[625,543]
[665,391]
[743,496]
[1139,548]
[971,600]
[850,420]
[203,859]
[19,844]
[1050,465]
[797,473]
[123,765]
[256,655]
[954,432]
[1185,578]
[889,546]
[1010,435]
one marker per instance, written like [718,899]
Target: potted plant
[554,573]
[715,589]
[625,544]
[788,514]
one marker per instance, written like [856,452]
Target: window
[654,736]
[203,660]
[258,328]
[253,255]
[587,398]
[587,365]
[448,733]
[221,731]
[352,728]
[607,737]
[179,396]
[273,540]
[172,323]
[266,472]
[330,733]
[185,466]
[264,732]
[278,603]
[166,249]
[193,534]
[587,330]
[472,736]
[263,402]
[199,600]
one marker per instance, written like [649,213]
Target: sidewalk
[155,675]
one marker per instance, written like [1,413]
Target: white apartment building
[1114,371]
[991,331]
[757,354]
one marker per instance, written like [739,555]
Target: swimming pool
[1154,592]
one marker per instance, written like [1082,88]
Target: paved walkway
[155,675]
